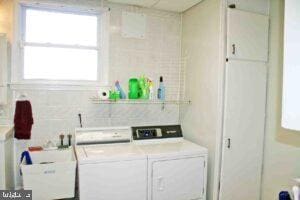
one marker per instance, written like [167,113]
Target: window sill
[56,86]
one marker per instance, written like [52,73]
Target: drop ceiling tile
[176,5]
[144,3]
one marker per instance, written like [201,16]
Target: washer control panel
[102,135]
[156,132]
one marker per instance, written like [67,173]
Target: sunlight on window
[60,46]
[60,28]
[60,63]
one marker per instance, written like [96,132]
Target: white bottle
[161,89]
[296,192]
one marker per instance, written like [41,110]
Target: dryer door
[178,179]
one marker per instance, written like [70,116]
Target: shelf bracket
[163,106]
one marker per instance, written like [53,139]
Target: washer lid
[108,153]
[176,148]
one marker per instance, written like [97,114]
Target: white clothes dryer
[177,168]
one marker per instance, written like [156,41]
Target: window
[60,45]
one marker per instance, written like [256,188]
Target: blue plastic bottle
[119,88]
[161,89]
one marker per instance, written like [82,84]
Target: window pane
[60,28]
[59,63]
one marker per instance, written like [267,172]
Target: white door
[247,35]
[181,179]
[113,180]
[244,120]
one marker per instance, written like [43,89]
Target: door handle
[160,183]
[228,143]
[233,49]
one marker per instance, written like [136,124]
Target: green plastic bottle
[144,85]
[134,88]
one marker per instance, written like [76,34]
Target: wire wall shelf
[97,100]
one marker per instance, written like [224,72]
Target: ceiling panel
[144,3]
[176,5]
[169,5]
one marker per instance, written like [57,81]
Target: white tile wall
[5,111]
[157,55]
[55,111]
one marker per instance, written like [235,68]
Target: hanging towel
[23,120]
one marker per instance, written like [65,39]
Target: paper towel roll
[103,94]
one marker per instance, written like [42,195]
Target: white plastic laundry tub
[52,174]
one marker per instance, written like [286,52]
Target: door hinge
[226,59]
[219,186]
[203,190]
[204,164]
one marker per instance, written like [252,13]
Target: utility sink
[52,174]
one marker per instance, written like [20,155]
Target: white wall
[6,8]
[55,111]
[200,51]
[282,152]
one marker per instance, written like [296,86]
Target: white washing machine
[110,167]
[177,168]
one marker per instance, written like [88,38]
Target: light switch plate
[133,25]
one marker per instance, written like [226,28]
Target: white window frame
[17,67]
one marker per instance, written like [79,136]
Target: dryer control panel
[156,132]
